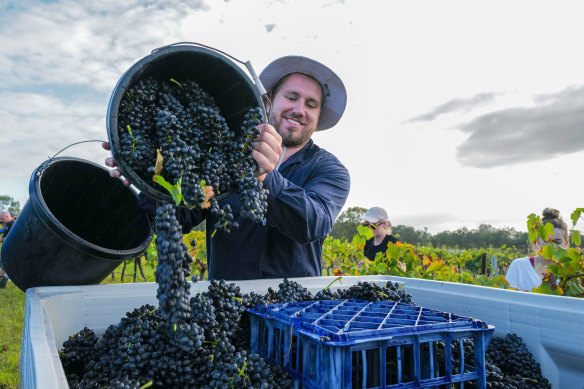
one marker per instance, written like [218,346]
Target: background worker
[7,221]
[377,219]
[528,272]
[307,187]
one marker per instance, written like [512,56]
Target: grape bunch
[175,130]
[511,355]
[292,291]
[173,267]
[372,292]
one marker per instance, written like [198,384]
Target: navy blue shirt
[306,194]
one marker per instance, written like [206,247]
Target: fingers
[115,173]
[109,161]
[267,148]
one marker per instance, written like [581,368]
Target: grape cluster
[511,355]
[179,124]
[173,267]
[144,349]
[372,292]
[508,363]
[292,291]
[76,349]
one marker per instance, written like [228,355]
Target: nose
[298,108]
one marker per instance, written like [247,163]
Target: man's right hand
[109,161]
[267,148]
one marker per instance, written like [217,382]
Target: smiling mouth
[294,122]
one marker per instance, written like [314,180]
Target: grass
[12,314]
[12,302]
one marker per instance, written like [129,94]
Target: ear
[268,105]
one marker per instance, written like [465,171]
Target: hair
[552,215]
[389,228]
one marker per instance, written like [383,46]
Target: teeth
[294,122]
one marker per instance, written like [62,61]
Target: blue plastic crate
[361,344]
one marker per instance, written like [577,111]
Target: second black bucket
[77,226]
[231,88]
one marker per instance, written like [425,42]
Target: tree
[345,226]
[7,203]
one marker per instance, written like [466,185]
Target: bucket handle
[73,144]
[247,64]
[45,164]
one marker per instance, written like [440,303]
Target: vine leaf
[174,190]
[576,215]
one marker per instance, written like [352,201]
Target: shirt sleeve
[308,213]
[522,276]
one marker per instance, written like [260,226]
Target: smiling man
[307,185]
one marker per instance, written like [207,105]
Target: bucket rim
[64,233]
[130,76]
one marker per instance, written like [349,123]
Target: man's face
[295,109]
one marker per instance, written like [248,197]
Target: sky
[459,113]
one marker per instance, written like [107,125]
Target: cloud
[83,43]
[270,27]
[36,126]
[456,105]
[553,127]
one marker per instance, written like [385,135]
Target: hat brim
[370,219]
[335,94]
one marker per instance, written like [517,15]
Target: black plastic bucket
[77,226]
[232,89]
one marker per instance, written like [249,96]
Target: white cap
[335,95]
[375,214]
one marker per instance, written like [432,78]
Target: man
[307,188]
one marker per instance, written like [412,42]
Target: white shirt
[521,275]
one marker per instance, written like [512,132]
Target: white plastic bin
[551,326]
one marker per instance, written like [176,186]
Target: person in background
[307,185]
[528,272]
[376,218]
[7,222]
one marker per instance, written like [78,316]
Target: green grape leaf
[576,215]
[575,237]
[548,230]
[547,251]
[574,287]
[546,288]
[561,254]
[365,231]
[174,190]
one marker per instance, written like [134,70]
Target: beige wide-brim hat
[335,94]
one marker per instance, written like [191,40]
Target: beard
[290,139]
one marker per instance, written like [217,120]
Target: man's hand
[267,148]
[109,161]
